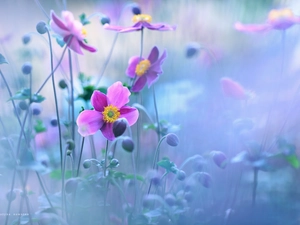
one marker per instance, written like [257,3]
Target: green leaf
[2,59]
[39,127]
[37,98]
[293,161]
[168,165]
[56,174]
[60,41]
[25,94]
[83,19]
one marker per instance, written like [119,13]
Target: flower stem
[254,188]
[156,113]
[80,155]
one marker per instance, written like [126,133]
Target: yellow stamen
[110,114]
[83,32]
[279,14]
[142,67]
[142,17]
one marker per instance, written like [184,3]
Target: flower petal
[73,44]
[133,61]
[98,101]
[252,27]
[232,89]
[152,77]
[135,27]
[153,56]
[107,131]
[157,65]
[139,84]
[130,114]
[159,26]
[89,122]
[57,21]
[118,95]
[87,47]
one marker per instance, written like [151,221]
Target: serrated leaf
[168,165]
[2,59]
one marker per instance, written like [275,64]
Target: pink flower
[280,19]
[141,21]
[145,70]
[233,89]
[107,109]
[71,30]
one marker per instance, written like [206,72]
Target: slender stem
[107,183]
[42,9]
[254,188]
[105,159]
[80,155]
[72,97]
[156,113]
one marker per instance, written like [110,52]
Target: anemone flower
[145,70]
[107,109]
[141,21]
[280,19]
[71,30]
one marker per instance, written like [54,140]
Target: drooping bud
[205,179]
[119,127]
[87,164]
[41,27]
[26,68]
[180,175]
[172,139]
[70,144]
[71,185]
[136,10]
[23,105]
[192,49]
[105,20]
[127,144]
[220,159]
[62,84]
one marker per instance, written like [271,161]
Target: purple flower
[145,70]
[71,30]
[280,19]
[107,109]
[141,21]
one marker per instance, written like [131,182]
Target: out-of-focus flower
[141,21]
[107,109]
[71,30]
[145,70]
[280,19]
[234,90]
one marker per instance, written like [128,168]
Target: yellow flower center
[280,14]
[110,114]
[83,32]
[142,67]
[142,17]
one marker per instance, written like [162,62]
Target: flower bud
[136,10]
[105,20]
[62,84]
[70,144]
[172,139]
[114,163]
[180,175]
[54,123]
[87,164]
[220,159]
[170,199]
[127,144]
[41,27]
[23,105]
[71,185]
[205,179]
[26,68]
[26,39]
[119,127]
[36,109]
[192,49]
[10,196]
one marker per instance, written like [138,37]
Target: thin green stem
[80,155]
[156,113]
[72,96]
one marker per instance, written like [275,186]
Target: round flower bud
[154,177]
[220,159]
[26,39]
[87,164]
[114,163]
[41,27]
[127,144]
[23,105]
[180,175]
[71,144]
[62,84]
[36,109]
[54,123]
[148,200]
[136,10]
[172,139]
[192,49]
[205,179]
[170,199]
[26,68]
[10,196]
[119,127]
[188,196]
[105,20]
[71,185]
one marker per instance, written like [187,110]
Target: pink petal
[130,114]
[152,77]
[107,131]
[159,26]
[153,56]
[73,44]
[118,95]
[133,61]
[98,101]
[157,65]
[87,47]
[139,84]
[252,27]
[233,89]
[60,24]
[89,122]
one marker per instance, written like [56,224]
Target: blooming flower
[71,30]
[141,21]
[277,19]
[145,70]
[107,109]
